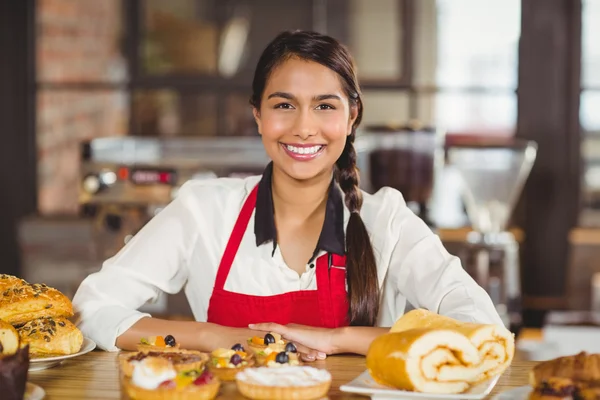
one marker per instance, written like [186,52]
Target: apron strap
[239,229]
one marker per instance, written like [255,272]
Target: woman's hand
[312,343]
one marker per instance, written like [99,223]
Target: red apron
[326,307]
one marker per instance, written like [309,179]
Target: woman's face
[304,118]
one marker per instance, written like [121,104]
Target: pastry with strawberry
[226,363]
[158,343]
[155,378]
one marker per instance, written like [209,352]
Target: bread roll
[9,338]
[21,301]
[49,336]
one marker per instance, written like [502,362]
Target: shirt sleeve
[431,278]
[153,261]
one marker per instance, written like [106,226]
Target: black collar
[332,238]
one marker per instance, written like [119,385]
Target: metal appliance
[493,176]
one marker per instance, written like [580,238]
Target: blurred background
[484,113]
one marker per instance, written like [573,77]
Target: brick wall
[77,41]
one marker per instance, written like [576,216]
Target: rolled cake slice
[495,344]
[424,360]
[9,338]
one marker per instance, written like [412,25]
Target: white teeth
[303,150]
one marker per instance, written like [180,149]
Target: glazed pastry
[158,343]
[155,378]
[181,360]
[582,367]
[13,374]
[49,336]
[554,389]
[9,338]
[226,363]
[21,301]
[300,383]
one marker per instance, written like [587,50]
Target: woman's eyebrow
[319,97]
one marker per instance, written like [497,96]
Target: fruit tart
[263,346]
[226,363]
[289,382]
[158,343]
[181,360]
[155,378]
[287,357]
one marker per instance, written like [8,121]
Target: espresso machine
[493,175]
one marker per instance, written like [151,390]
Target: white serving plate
[518,393]
[34,392]
[37,364]
[365,385]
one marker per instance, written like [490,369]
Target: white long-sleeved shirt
[181,248]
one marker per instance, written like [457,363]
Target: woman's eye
[325,107]
[284,106]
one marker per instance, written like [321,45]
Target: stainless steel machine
[493,176]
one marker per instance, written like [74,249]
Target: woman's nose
[306,125]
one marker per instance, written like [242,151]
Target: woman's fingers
[308,354]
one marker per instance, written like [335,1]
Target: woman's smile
[303,152]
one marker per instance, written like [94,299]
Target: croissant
[21,301]
[582,367]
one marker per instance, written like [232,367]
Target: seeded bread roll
[49,336]
[21,301]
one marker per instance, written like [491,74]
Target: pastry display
[570,377]
[9,338]
[226,363]
[181,360]
[21,301]
[48,336]
[496,344]
[156,378]
[13,374]
[158,343]
[289,382]
[424,360]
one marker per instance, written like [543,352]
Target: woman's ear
[256,114]
[352,119]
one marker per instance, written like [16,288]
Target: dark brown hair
[361,269]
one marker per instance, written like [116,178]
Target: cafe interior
[484,114]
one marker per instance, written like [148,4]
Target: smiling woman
[324,265]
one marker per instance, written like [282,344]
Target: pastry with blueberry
[287,357]
[156,378]
[262,347]
[226,363]
[158,343]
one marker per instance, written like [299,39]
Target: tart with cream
[226,363]
[181,360]
[158,343]
[290,382]
[155,378]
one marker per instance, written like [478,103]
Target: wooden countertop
[96,376]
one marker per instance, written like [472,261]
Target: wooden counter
[96,376]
